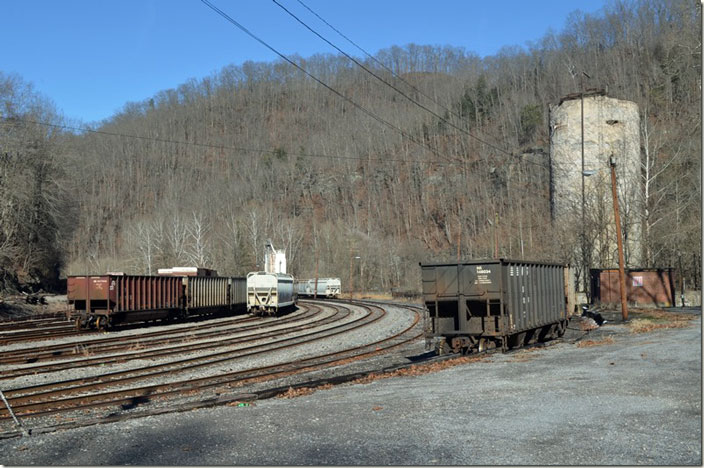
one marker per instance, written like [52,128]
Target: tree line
[207,172]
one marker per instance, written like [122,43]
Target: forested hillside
[206,173]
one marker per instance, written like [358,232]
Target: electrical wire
[367,70]
[322,83]
[221,147]
[450,111]
[15,121]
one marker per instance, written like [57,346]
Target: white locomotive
[327,287]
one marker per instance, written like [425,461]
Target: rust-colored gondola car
[102,301]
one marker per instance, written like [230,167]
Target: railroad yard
[311,387]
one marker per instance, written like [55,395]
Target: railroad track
[39,333]
[244,334]
[26,324]
[157,382]
[113,343]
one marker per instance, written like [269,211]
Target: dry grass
[645,320]
[419,369]
[302,391]
[382,297]
[241,403]
[645,326]
[587,325]
[525,355]
[413,370]
[590,343]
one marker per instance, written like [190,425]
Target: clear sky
[92,56]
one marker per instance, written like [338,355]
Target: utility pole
[584,236]
[315,292]
[351,272]
[459,238]
[496,234]
[619,242]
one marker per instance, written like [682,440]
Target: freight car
[186,271]
[103,301]
[327,287]
[269,292]
[482,304]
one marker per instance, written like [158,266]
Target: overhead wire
[322,83]
[15,121]
[222,147]
[507,152]
[451,162]
[395,75]
[334,91]
[382,80]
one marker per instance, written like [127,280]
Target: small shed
[653,286]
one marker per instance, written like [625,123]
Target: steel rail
[179,349]
[30,325]
[160,338]
[43,391]
[237,378]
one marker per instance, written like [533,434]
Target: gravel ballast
[636,401]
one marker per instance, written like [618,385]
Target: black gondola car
[481,304]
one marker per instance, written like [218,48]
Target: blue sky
[92,56]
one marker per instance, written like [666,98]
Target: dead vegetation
[302,391]
[590,343]
[644,321]
[419,369]
[525,355]
[413,370]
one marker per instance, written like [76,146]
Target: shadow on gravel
[177,444]
[135,402]
[422,357]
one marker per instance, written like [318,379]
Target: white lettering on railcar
[482,276]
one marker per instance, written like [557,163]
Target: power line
[356,62]
[450,111]
[15,121]
[322,83]
[221,147]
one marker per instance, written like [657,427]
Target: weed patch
[590,343]
[644,321]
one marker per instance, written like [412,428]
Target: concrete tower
[611,128]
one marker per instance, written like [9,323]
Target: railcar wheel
[486,344]
[78,323]
[101,322]
[442,348]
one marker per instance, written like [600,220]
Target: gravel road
[636,401]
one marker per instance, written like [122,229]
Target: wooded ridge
[204,174]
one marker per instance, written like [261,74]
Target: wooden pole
[459,238]
[621,267]
[315,292]
[351,273]
[496,235]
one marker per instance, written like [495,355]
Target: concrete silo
[610,128]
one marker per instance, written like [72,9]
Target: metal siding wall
[545,291]
[524,291]
[241,288]
[208,291]
[518,313]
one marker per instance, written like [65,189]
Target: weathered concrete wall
[611,127]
